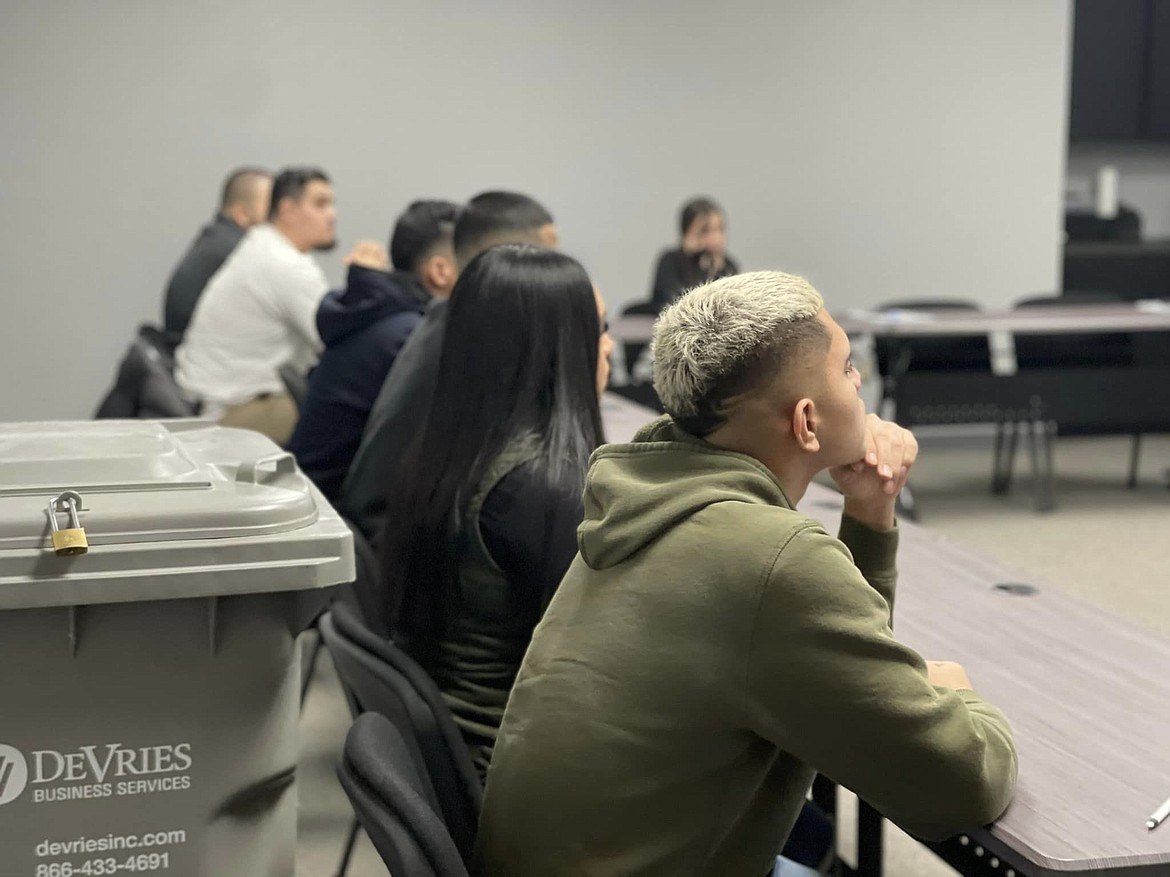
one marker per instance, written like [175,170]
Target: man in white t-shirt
[258,312]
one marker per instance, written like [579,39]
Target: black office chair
[391,800]
[165,342]
[144,386]
[366,596]
[897,356]
[379,677]
[632,350]
[1073,351]
[359,595]
[902,361]
[295,383]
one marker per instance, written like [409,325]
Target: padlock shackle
[69,501]
[70,541]
[68,496]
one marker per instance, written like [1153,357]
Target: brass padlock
[71,540]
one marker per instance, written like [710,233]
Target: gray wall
[901,148]
[1143,172]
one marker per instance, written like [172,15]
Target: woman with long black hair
[484,508]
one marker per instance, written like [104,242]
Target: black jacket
[677,272]
[208,252]
[399,412]
[364,328]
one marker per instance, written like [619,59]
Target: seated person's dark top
[678,271]
[518,537]
[207,253]
[398,413]
[533,543]
[364,328]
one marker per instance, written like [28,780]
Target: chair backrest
[389,798]
[1070,350]
[631,350]
[145,386]
[379,677]
[365,594]
[929,304]
[897,356]
[159,339]
[1068,297]
[295,382]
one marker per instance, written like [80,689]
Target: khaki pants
[274,416]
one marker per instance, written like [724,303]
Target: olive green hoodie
[708,650]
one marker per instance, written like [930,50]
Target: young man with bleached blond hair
[711,648]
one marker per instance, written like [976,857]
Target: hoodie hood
[635,492]
[369,296]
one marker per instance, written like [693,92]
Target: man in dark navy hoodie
[364,326]
[489,219]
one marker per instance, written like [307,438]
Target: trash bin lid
[225,492]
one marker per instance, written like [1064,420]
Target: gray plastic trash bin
[148,688]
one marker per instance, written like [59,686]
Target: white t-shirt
[258,313]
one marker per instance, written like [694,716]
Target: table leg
[1007,433]
[997,479]
[1043,434]
[1135,451]
[869,830]
[869,841]
[824,795]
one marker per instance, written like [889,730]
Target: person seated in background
[701,255]
[489,218]
[243,204]
[488,496]
[364,326]
[711,648]
[700,258]
[259,312]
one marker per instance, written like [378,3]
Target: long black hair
[519,360]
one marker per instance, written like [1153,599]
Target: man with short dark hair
[243,204]
[258,313]
[711,648]
[364,327]
[493,218]
[489,219]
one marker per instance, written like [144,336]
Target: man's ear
[439,274]
[804,426]
[238,213]
[280,211]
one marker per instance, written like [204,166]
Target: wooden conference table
[1087,694]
